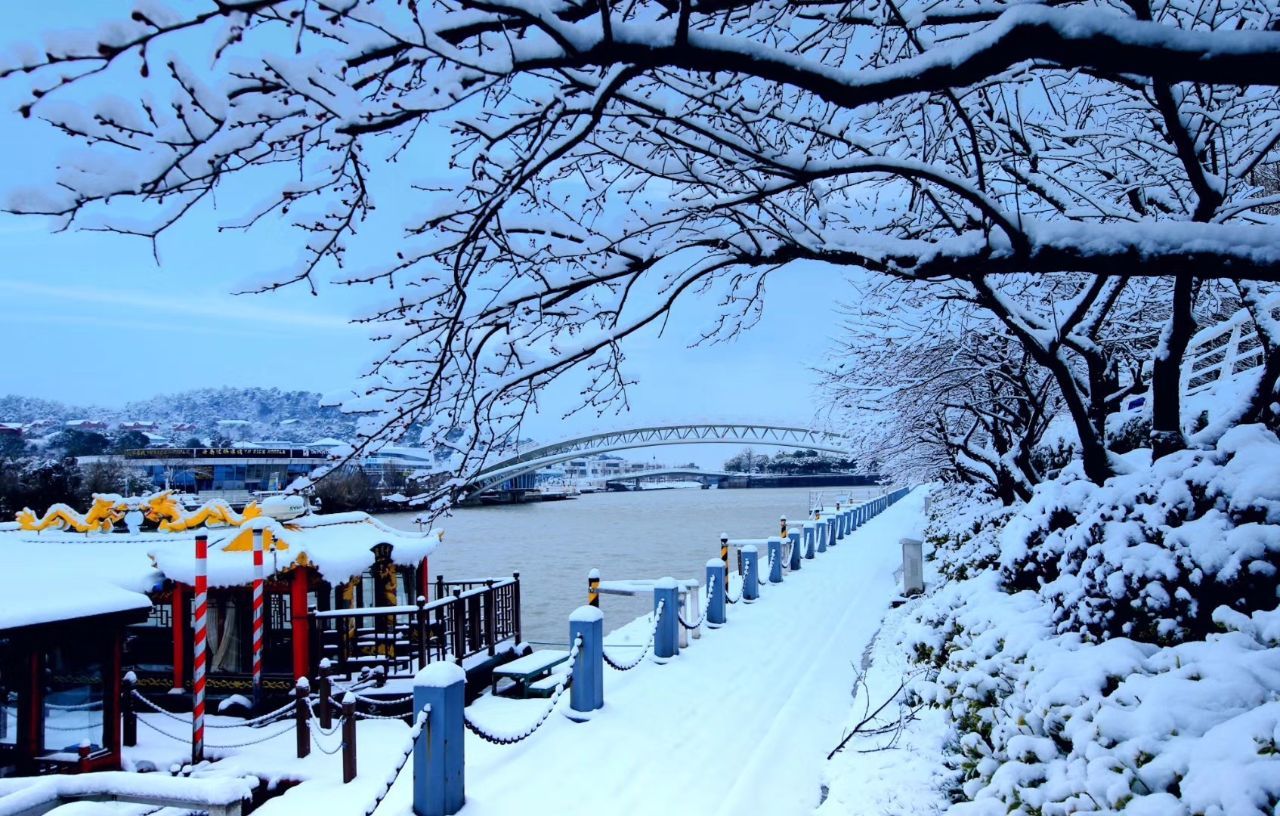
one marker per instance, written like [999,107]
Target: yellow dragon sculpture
[160,508]
[102,516]
[169,516]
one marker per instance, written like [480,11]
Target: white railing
[1220,352]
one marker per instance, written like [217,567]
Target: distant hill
[235,413]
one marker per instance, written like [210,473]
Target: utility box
[912,566]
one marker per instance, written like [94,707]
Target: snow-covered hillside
[236,413]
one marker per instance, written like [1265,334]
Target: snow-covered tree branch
[604,162]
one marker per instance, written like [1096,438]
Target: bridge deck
[739,723]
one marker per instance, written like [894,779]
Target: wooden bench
[526,672]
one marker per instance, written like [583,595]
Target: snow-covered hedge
[1153,553]
[1111,649]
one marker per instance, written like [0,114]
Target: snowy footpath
[740,722]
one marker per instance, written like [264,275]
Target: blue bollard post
[586,693]
[821,534]
[794,535]
[666,638]
[438,783]
[841,518]
[750,572]
[715,590]
[810,538]
[775,560]
[831,531]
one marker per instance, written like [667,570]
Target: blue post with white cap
[810,538]
[821,533]
[666,637]
[831,531]
[750,572]
[775,560]
[794,536]
[715,588]
[439,787]
[586,693]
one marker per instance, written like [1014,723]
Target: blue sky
[93,318]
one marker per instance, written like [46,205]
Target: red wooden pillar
[32,733]
[111,705]
[300,625]
[178,618]
[424,581]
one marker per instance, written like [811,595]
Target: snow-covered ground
[740,722]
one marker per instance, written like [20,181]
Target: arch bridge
[770,435]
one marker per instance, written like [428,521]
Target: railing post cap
[586,614]
[303,684]
[439,675]
[724,536]
[130,677]
[715,563]
[750,548]
[593,575]
[668,582]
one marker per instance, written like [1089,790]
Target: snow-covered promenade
[740,722]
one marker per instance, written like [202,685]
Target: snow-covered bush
[1152,553]
[1111,649]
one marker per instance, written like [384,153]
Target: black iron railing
[465,619]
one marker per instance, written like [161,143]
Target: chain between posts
[421,724]
[657,617]
[264,719]
[162,732]
[551,705]
[701,618]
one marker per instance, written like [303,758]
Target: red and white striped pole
[257,616]
[198,642]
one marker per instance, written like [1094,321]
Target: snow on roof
[339,545]
[80,581]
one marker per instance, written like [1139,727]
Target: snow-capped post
[724,556]
[128,713]
[593,588]
[325,693]
[751,575]
[666,636]
[831,531]
[198,647]
[439,783]
[257,525]
[775,560]
[912,566]
[716,591]
[810,534]
[586,691]
[821,532]
[420,619]
[349,737]
[302,717]
[794,538]
[782,533]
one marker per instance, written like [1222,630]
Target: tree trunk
[1166,372]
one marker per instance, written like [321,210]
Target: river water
[645,534]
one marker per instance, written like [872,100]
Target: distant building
[230,469]
[85,425]
[141,426]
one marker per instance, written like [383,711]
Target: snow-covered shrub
[964,531]
[1114,649]
[1047,724]
[1152,553]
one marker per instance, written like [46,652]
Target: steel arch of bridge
[772,435]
